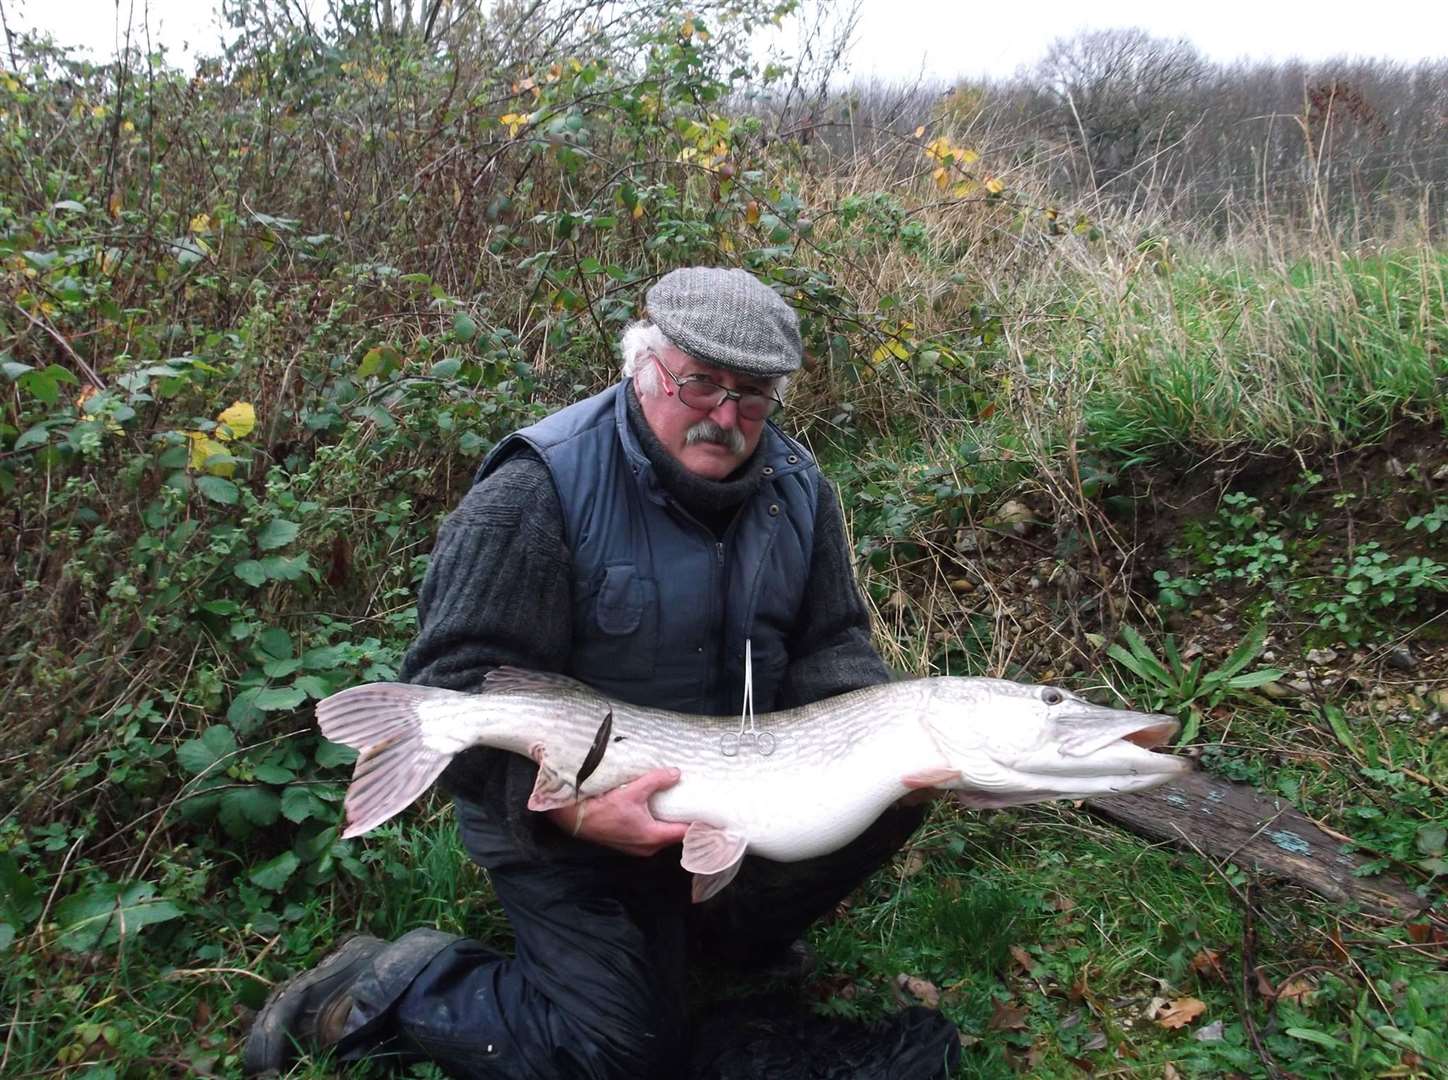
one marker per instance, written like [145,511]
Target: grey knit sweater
[499,591]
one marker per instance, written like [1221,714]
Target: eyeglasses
[704,394]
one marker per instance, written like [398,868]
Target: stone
[1321,656]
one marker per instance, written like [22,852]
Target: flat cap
[728,318]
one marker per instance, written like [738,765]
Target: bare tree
[1121,95]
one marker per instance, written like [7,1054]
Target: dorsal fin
[515,680]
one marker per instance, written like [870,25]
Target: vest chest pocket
[616,626]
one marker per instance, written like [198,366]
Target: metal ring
[765,743]
[729,744]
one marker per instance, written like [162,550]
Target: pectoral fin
[551,791]
[927,778]
[713,856]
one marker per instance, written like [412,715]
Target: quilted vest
[662,607]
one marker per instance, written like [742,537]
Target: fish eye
[1052,696]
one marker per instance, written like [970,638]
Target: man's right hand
[620,819]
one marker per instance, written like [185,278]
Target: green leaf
[19,898]
[100,915]
[284,567]
[446,368]
[198,755]
[1245,652]
[243,808]
[41,385]
[299,804]
[70,204]
[219,489]
[278,698]
[277,533]
[326,657]
[313,687]
[1254,679]
[251,572]
[275,641]
[243,712]
[274,774]
[273,874]
[13,369]
[1321,1038]
[331,755]
[464,328]
[1431,839]
[1337,720]
[38,435]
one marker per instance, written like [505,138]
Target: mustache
[706,431]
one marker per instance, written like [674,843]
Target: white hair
[640,343]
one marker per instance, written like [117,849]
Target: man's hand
[621,819]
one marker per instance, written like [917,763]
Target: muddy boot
[309,1011]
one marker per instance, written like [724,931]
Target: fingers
[650,782]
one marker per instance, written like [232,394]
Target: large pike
[833,767]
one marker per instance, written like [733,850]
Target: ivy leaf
[273,874]
[277,533]
[198,755]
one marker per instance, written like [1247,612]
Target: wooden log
[1235,823]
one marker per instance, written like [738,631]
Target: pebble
[1321,656]
[1402,658]
[1439,699]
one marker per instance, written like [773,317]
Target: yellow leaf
[1180,1013]
[638,210]
[239,420]
[751,212]
[127,126]
[942,177]
[98,111]
[726,243]
[203,448]
[966,157]
[687,29]
[200,223]
[920,131]
[10,84]
[994,186]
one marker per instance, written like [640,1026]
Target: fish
[834,765]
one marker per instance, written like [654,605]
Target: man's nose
[726,413]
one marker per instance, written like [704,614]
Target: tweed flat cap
[728,318]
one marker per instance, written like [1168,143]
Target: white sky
[943,38]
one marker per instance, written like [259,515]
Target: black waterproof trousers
[596,989]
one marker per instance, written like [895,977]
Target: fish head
[1016,743]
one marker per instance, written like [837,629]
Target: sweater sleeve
[830,648]
[497,591]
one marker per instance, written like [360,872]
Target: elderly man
[636,540]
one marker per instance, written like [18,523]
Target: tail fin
[396,765]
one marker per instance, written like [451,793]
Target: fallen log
[1235,823]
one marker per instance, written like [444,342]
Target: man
[638,540]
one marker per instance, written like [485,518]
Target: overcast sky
[943,38]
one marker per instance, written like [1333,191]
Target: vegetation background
[1130,371]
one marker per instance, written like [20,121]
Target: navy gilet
[662,607]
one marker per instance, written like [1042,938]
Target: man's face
[709,444]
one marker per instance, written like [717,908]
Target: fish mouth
[1155,735]
[1090,729]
